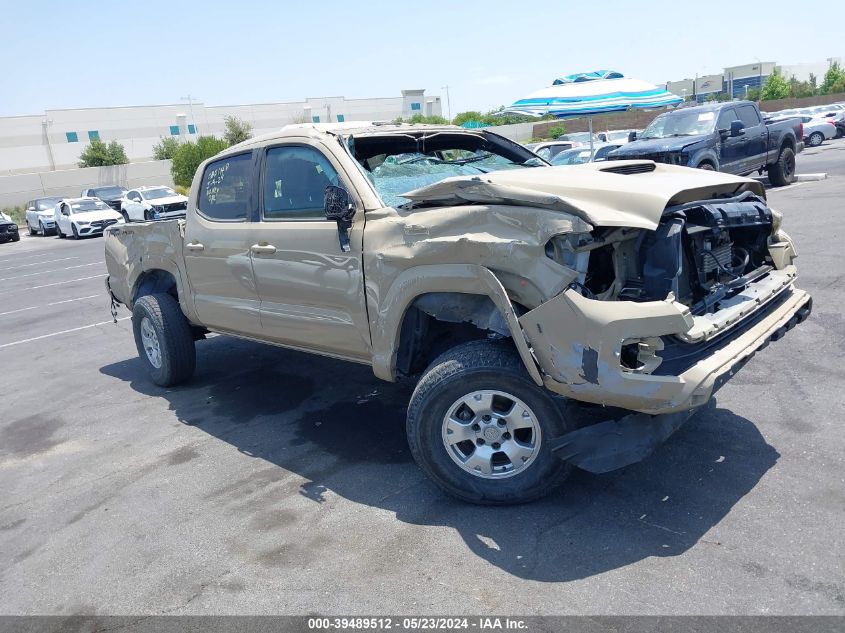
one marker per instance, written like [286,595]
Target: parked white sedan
[152,203]
[81,217]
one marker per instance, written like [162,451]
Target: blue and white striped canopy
[598,92]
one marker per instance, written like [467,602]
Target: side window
[725,117]
[544,152]
[748,116]
[225,188]
[295,180]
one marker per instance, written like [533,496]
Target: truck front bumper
[578,345]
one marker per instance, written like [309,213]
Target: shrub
[189,155]
[165,148]
[556,130]
[98,154]
[16,213]
[237,131]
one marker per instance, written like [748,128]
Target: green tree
[165,148]
[237,131]
[465,117]
[189,155]
[421,118]
[834,80]
[776,87]
[98,154]
[753,94]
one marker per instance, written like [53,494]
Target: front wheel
[816,139]
[75,231]
[707,167]
[30,230]
[59,233]
[480,428]
[125,215]
[164,339]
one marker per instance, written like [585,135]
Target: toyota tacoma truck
[501,285]
[732,137]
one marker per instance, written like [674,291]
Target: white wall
[519,132]
[40,142]
[18,189]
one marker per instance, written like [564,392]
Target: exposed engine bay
[702,252]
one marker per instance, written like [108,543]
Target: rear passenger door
[311,292]
[218,237]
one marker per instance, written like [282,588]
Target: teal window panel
[315,118]
[174,130]
[192,128]
[340,118]
[416,106]
[72,137]
[93,135]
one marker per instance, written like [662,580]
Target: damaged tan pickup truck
[462,260]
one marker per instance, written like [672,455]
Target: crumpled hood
[169,200]
[589,191]
[654,145]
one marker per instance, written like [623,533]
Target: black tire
[29,229]
[147,215]
[41,229]
[707,167]
[17,237]
[174,336]
[75,232]
[815,139]
[476,366]
[125,216]
[59,233]
[782,172]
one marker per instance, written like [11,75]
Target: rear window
[225,190]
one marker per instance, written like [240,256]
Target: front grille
[9,228]
[174,206]
[101,224]
[640,168]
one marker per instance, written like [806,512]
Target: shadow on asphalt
[342,430]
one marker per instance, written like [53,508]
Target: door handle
[194,246]
[268,249]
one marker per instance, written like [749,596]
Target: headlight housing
[82,223]
[777,220]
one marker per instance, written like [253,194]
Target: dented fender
[462,278]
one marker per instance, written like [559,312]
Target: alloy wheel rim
[149,340]
[491,434]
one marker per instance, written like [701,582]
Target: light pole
[190,101]
[448,103]
[760,76]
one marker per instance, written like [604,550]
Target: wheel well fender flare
[386,322]
[705,156]
[159,275]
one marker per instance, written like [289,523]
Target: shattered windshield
[401,163]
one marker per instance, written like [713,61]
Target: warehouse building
[54,140]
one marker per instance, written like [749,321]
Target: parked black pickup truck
[730,137]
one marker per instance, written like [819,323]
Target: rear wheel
[782,171]
[815,139]
[164,339]
[480,428]
[125,215]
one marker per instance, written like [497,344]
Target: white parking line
[17,259]
[102,295]
[75,329]
[49,261]
[69,281]
[44,272]
[16,311]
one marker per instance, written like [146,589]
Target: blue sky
[85,54]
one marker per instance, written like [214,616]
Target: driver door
[733,148]
[311,292]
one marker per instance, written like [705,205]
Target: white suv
[152,203]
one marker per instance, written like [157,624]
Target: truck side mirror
[632,136]
[737,128]
[339,208]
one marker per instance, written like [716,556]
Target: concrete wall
[55,139]
[17,189]
[519,132]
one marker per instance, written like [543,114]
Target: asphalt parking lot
[278,482]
